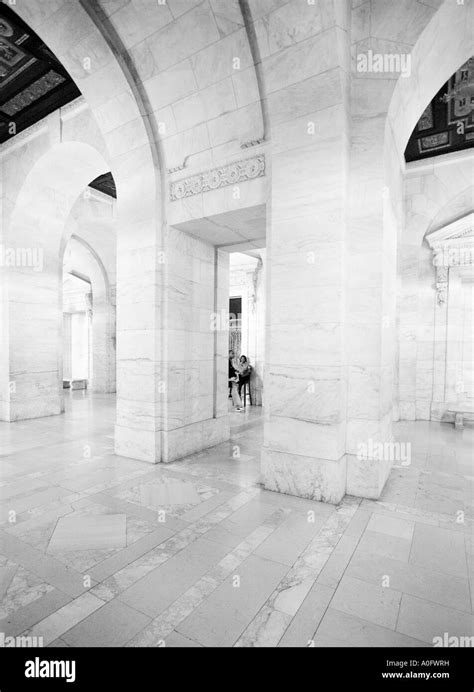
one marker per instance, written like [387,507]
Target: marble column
[33,317]
[67,346]
[259,324]
[195,411]
[103,342]
[172,381]
[370,287]
[305,383]
[141,266]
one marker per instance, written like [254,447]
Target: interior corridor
[102,550]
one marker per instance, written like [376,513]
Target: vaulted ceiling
[33,83]
[447,123]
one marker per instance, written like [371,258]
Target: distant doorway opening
[77,331]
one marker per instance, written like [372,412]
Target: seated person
[245,370]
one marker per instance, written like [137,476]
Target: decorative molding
[18,140]
[457,229]
[232,174]
[442,277]
[454,254]
[177,168]
[252,143]
[427,163]
[73,108]
[70,110]
[452,246]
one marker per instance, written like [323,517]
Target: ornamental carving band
[233,174]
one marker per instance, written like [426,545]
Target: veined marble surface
[92,561]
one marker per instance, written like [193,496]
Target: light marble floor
[98,550]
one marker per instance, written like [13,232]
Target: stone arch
[73,32]
[194,67]
[436,195]
[458,206]
[32,300]
[434,58]
[82,260]
[50,190]
[105,282]
[95,60]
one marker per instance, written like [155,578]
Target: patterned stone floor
[98,550]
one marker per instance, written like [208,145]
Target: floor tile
[439,549]
[411,579]
[337,562]
[20,487]
[124,557]
[113,625]
[358,524]
[46,567]
[370,602]
[290,539]
[222,618]
[301,630]
[426,620]
[175,640]
[54,626]
[7,572]
[158,589]
[58,644]
[392,526]
[247,518]
[340,629]
[382,544]
[23,618]
[89,533]
[27,502]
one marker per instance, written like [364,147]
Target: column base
[367,477]
[33,408]
[195,437]
[143,445]
[323,480]
[164,447]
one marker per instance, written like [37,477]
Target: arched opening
[35,238]
[409,113]
[89,320]
[94,57]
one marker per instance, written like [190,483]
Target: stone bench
[75,384]
[460,413]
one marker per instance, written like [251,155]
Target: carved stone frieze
[452,246]
[252,143]
[232,174]
[442,275]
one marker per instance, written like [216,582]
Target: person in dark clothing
[233,383]
[244,369]
[231,371]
